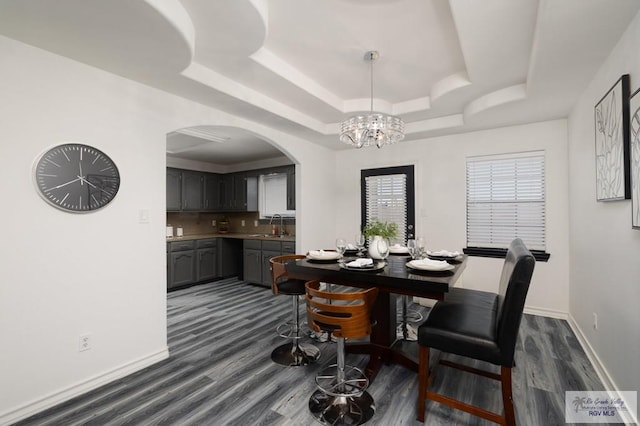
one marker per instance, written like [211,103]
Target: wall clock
[76,178]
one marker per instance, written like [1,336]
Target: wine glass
[411,246]
[359,240]
[420,249]
[341,245]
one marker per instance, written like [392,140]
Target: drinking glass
[341,245]
[420,249]
[359,240]
[411,246]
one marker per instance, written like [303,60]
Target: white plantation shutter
[386,197]
[505,200]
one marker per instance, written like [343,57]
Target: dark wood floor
[220,373]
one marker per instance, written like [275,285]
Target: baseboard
[80,388]
[544,312]
[601,370]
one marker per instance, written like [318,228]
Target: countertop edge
[237,236]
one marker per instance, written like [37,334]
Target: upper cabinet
[174,190]
[192,191]
[189,190]
[211,192]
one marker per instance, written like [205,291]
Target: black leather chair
[294,354]
[482,326]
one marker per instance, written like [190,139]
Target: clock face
[77,178]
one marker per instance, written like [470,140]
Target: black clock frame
[76,178]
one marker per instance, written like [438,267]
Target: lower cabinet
[257,269]
[191,261]
[207,266]
[252,265]
[182,263]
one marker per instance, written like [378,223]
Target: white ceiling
[298,65]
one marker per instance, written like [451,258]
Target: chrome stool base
[341,410]
[292,355]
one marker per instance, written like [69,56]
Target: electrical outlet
[255,223]
[242,223]
[213,222]
[84,342]
[595,321]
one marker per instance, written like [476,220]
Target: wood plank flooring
[220,373]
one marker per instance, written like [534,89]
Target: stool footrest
[355,382]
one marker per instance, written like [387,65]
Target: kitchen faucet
[281,229]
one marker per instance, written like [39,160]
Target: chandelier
[373,128]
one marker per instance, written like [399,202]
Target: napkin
[351,247]
[360,263]
[444,253]
[323,254]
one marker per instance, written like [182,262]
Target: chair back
[514,285]
[346,315]
[278,268]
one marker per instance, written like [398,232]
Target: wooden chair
[292,354]
[342,396]
[482,326]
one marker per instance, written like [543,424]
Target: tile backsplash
[200,223]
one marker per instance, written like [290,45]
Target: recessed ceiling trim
[278,66]
[208,77]
[494,99]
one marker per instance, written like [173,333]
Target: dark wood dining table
[394,279]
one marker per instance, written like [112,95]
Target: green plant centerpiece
[383,229]
[379,233]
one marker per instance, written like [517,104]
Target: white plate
[398,250]
[430,265]
[323,255]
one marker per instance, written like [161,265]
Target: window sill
[501,253]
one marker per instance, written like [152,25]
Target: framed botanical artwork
[612,143]
[634,153]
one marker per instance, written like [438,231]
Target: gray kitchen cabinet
[252,261]
[266,266]
[207,260]
[211,192]
[238,192]
[174,190]
[257,253]
[192,191]
[182,264]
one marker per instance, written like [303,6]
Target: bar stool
[292,354]
[341,397]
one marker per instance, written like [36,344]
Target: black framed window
[388,195]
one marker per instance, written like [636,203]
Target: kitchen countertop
[239,236]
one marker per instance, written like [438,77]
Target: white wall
[441,207]
[605,250]
[101,273]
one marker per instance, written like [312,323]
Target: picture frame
[634,157]
[612,143]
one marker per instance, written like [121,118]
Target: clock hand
[81,180]
[92,185]
[65,184]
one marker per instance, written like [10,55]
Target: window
[387,194]
[272,197]
[506,200]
